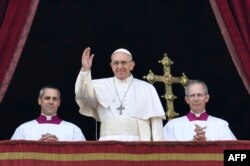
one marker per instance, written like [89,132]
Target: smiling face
[196,97]
[49,101]
[122,64]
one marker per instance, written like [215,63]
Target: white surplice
[181,129]
[100,99]
[32,130]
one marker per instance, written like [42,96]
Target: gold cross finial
[168,80]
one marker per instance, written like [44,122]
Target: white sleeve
[168,131]
[225,133]
[157,129]
[18,134]
[85,96]
[84,89]
[78,135]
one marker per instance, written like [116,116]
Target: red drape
[17,17]
[233,17]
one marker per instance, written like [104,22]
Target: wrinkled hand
[200,133]
[48,138]
[87,59]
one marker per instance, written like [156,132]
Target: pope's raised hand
[87,59]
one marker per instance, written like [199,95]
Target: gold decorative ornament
[168,80]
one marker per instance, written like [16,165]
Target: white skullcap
[122,50]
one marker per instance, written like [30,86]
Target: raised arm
[84,91]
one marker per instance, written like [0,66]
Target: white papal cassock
[141,120]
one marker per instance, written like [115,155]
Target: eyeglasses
[123,63]
[198,95]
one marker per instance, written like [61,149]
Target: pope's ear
[132,65]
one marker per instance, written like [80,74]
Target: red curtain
[233,17]
[16,19]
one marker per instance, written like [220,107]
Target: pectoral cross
[120,109]
[168,80]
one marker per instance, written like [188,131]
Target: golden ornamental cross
[168,80]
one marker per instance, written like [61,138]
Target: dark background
[186,30]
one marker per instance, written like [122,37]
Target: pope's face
[197,98]
[49,101]
[122,65]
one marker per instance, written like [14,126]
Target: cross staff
[168,80]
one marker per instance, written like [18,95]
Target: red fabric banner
[106,153]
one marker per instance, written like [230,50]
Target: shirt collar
[126,81]
[48,119]
[192,116]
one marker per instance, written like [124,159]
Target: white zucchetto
[122,50]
